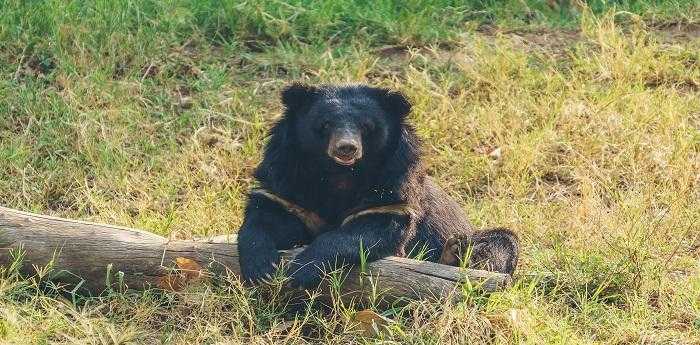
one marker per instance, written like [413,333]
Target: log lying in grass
[91,257]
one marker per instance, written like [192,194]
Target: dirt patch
[548,41]
[552,41]
[555,42]
[676,32]
[393,51]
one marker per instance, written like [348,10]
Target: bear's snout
[345,147]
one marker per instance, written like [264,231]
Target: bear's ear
[394,102]
[298,95]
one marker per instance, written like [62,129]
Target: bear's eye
[367,126]
[324,127]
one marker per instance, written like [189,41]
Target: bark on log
[81,252]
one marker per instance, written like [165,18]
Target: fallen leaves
[212,137]
[187,272]
[493,152]
[372,324]
[515,321]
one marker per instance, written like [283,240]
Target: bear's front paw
[261,267]
[304,275]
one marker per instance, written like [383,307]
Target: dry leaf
[190,267]
[170,282]
[284,326]
[483,149]
[371,323]
[518,321]
[188,271]
[495,154]
[210,137]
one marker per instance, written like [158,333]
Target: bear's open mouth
[345,161]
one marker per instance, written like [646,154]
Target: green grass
[152,114]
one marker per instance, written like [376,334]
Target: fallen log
[91,258]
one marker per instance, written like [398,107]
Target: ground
[577,126]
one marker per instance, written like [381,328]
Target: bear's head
[342,127]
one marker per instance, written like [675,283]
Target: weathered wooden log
[92,257]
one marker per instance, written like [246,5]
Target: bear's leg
[493,250]
[267,228]
[372,237]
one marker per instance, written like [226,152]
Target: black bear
[342,174]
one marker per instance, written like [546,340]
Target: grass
[577,126]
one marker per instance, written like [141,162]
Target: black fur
[492,249]
[297,167]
